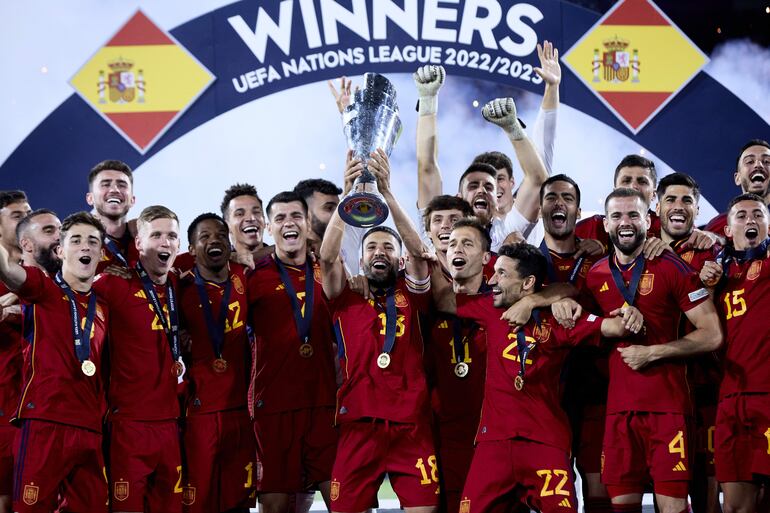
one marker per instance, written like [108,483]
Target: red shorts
[742,437]
[705,426]
[368,450]
[220,455]
[145,466]
[519,469]
[455,453]
[295,449]
[7,435]
[643,446]
[58,465]
[588,446]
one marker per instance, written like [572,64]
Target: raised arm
[502,112]
[11,273]
[544,131]
[428,80]
[417,266]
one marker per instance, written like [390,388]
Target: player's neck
[469,285]
[297,257]
[14,253]
[215,275]
[77,284]
[669,239]
[564,246]
[28,260]
[155,277]
[115,228]
[624,259]
[502,210]
[441,255]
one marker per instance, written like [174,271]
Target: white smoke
[743,67]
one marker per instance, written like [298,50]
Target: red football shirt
[717,225]
[10,365]
[667,289]
[127,248]
[211,391]
[183,263]
[534,412]
[399,392]
[744,305]
[562,267]
[284,380]
[143,385]
[55,388]
[593,228]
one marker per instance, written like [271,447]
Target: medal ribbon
[522,346]
[459,340]
[113,248]
[216,331]
[390,320]
[172,330]
[628,293]
[552,272]
[82,337]
[301,321]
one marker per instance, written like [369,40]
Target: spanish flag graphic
[141,81]
[635,60]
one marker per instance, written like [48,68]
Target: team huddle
[474,357]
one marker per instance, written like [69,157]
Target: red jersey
[211,387]
[561,267]
[10,365]
[284,379]
[717,225]
[142,381]
[183,263]
[593,228]
[667,288]
[125,246]
[55,388]
[398,392]
[744,306]
[511,413]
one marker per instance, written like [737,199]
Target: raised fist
[502,112]
[428,79]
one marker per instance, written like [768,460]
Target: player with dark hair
[438,217]
[242,210]
[146,367]
[752,175]
[382,405]
[39,238]
[647,430]
[111,194]
[59,464]
[515,458]
[742,433]
[219,443]
[292,391]
[13,208]
[322,197]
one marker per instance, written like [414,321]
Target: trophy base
[363,210]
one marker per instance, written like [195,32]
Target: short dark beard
[47,259]
[318,227]
[376,283]
[638,241]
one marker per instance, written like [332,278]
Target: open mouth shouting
[380,265]
[481,204]
[85,260]
[752,233]
[164,257]
[458,263]
[758,181]
[290,235]
[626,235]
[559,219]
[677,221]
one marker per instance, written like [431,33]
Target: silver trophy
[370,122]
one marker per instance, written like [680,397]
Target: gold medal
[88,367]
[383,360]
[219,365]
[306,350]
[461,369]
[177,369]
[518,383]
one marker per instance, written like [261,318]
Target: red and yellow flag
[635,60]
[141,81]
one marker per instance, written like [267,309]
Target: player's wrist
[427,105]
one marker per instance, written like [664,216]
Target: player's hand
[633,320]
[549,69]
[566,312]
[353,169]
[119,271]
[428,79]
[341,97]
[637,357]
[243,258]
[10,310]
[502,112]
[590,247]
[711,273]
[379,166]
[515,237]
[654,247]
[360,285]
[518,314]
[700,239]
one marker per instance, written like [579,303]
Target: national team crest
[335,490]
[584,269]
[754,271]
[317,274]
[646,283]
[542,332]
[617,63]
[188,495]
[30,494]
[401,300]
[121,490]
[238,284]
[465,506]
[687,257]
[124,86]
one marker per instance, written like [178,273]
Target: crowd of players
[472,357]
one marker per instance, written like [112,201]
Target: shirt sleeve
[476,307]
[544,136]
[424,235]
[352,237]
[687,287]
[33,288]
[587,331]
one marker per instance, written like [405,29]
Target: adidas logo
[604,288]
[565,503]
[679,467]
[443,325]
